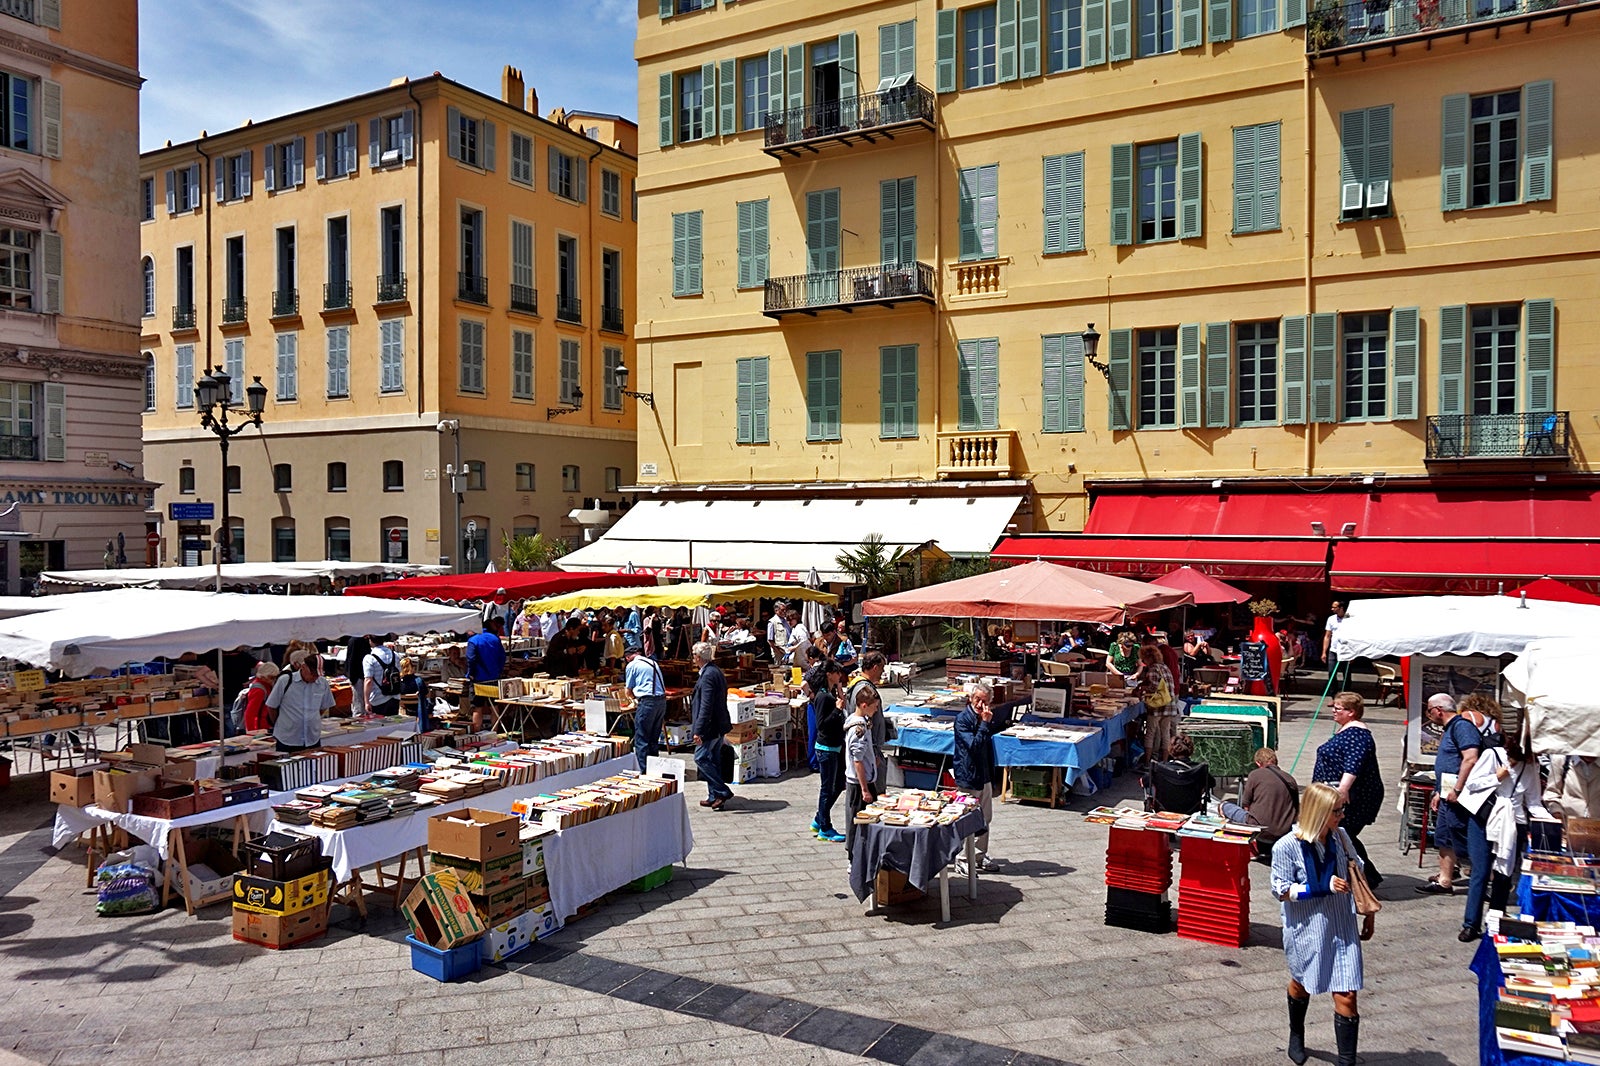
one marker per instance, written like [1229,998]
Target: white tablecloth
[587,861]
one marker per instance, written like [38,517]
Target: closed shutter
[693,252]
[968,214]
[1220,17]
[1244,179]
[50,116]
[823,399]
[1293,332]
[822,237]
[816,389]
[759,242]
[727,99]
[1119,389]
[249,166]
[1119,30]
[680,255]
[1191,387]
[1453,360]
[50,14]
[299,161]
[269,167]
[1191,25]
[989,210]
[1406,336]
[351,146]
[746,223]
[194,185]
[490,141]
[708,99]
[322,153]
[1028,40]
[392,355]
[897,221]
[1324,365]
[55,422]
[1122,194]
[1094,32]
[172,192]
[944,67]
[1006,40]
[849,89]
[1268,176]
[1294,13]
[889,392]
[220,189]
[1072,383]
[743,401]
[554,159]
[665,90]
[774,108]
[758,401]
[408,123]
[1538,148]
[666,8]
[1352,161]
[989,383]
[967,385]
[374,143]
[794,78]
[54,267]
[1191,192]
[1453,138]
[1063,203]
[581,165]
[1376,186]
[1219,374]
[1539,356]
[1053,346]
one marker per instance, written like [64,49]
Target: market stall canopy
[473,588]
[1555,680]
[689,594]
[137,625]
[1037,590]
[1206,588]
[784,539]
[1456,625]
[1548,588]
[234,575]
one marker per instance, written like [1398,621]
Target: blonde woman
[1321,943]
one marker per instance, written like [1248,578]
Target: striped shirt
[1321,937]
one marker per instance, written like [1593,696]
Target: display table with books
[1557,887]
[1072,747]
[918,833]
[1538,993]
[584,862]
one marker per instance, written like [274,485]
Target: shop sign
[28,680]
[740,576]
[84,498]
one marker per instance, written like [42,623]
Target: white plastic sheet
[1456,625]
[1556,680]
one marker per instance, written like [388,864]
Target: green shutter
[1094,32]
[1353,161]
[908,220]
[746,213]
[55,422]
[816,396]
[1244,179]
[1122,194]
[1324,365]
[1053,345]
[1119,390]
[889,392]
[1191,191]
[1219,370]
[1453,360]
[1294,13]
[1538,148]
[1006,40]
[692,252]
[1072,383]
[944,67]
[774,106]
[1220,17]
[1293,332]
[795,86]
[708,99]
[1453,138]
[967,213]
[1191,25]
[666,9]
[1539,356]
[1028,40]
[849,88]
[758,242]
[666,112]
[989,383]
[1190,385]
[967,385]
[989,210]
[1268,176]
[888,51]
[833,424]
[1054,208]
[889,221]
[680,254]
[1375,192]
[758,401]
[1119,29]
[727,99]
[908,390]
[744,406]
[1405,336]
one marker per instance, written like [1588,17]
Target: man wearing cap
[1459,742]
[297,703]
[643,679]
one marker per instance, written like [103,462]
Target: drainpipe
[1309,242]
[938,271]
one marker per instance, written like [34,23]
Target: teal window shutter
[680,254]
[1538,147]
[1006,38]
[1119,392]
[1191,23]
[1539,356]
[1122,194]
[1054,208]
[1294,13]
[1119,29]
[666,110]
[775,87]
[695,255]
[1453,138]
[944,67]
[1244,179]
[1293,332]
[1054,346]
[1094,32]
[1324,365]
[849,87]
[989,383]
[1220,19]
[666,9]
[889,221]
[1072,201]
[795,84]
[1072,383]
[907,225]
[1219,374]
[967,385]
[1405,336]
[989,210]
[1191,385]
[727,99]
[1376,195]
[708,99]
[758,401]
[1269,176]
[1256,178]
[822,396]
[908,390]
[1453,360]
[1028,30]
[759,242]
[897,390]
[747,243]
[1191,192]
[744,407]
[1353,162]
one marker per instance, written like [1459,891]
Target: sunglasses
[1339,811]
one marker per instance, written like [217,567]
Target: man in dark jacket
[708,717]
[974,760]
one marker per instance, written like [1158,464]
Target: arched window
[149,267]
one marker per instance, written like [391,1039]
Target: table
[586,861]
[919,853]
[1071,757]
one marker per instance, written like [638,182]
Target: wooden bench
[954,668]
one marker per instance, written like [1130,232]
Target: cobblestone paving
[756,949]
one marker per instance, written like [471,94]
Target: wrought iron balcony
[1539,435]
[336,296]
[867,118]
[845,290]
[285,303]
[183,316]
[1335,24]
[524,298]
[391,288]
[569,308]
[611,319]
[473,288]
[17,447]
[234,311]
[977,453]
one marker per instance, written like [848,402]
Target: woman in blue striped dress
[1320,940]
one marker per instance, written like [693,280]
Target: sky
[212,64]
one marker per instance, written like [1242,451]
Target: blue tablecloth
[1072,756]
[1557,906]
[1486,965]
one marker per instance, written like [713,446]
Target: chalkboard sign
[1253,662]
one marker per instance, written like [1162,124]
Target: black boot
[1345,1032]
[1297,1029]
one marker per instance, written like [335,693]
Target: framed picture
[1460,676]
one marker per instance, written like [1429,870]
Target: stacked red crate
[1214,891]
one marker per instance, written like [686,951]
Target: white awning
[234,575]
[782,540]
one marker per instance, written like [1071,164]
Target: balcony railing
[867,117]
[183,316]
[391,288]
[1333,25]
[611,319]
[977,453]
[525,298]
[473,288]
[234,311]
[15,447]
[888,284]
[285,303]
[569,309]
[336,296]
[1540,435]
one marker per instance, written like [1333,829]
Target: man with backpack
[380,679]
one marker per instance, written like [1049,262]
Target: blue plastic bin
[445,964]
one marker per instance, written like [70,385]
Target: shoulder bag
[1367,902]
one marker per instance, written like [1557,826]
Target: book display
[1539,991]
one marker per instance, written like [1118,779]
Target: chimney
[533,101]
[511,86]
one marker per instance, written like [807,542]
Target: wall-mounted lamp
[575,404]
[619,375]
[1091,349]
[1347,530]
[1318,529]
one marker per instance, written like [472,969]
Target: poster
[1459,675]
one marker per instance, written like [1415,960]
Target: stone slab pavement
[755,949]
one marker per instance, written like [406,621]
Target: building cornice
[54,362]
[70,57]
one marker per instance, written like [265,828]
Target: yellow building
[70,474]
[1338,266]
[431,283]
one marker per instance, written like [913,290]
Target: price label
[29,680]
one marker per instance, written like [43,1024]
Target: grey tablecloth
[918,853]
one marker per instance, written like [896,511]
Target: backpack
[236,711]
[389,675]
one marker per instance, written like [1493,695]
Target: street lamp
[619,375]
[1091,348]
[574,404]
[456,475]
[215,392]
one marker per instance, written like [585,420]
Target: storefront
[59,524]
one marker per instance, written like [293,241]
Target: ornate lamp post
[215,397]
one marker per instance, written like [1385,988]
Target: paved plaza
[755,951]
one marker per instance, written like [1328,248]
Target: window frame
[571,478]
[1159,168]
[1351,410]
[527,477]
[476,474]
[1495,328]
[342,483]
[1164,32]
[753,100]
[520,169]
[1060,29]
[394,475]
[690,118]
[1495,123]
[1249,352]
[976,72]
[1155,377]
[282,477]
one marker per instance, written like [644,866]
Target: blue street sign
[191,512]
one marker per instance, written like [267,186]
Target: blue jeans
[708,760]
[1482,866]
[831,770]
[647,719]
[813,757]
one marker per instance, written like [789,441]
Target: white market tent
[1555,680]
[1457,625]
[102,631]
[234,575]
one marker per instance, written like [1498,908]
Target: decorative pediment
[28,198]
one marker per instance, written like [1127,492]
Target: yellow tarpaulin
[688,594]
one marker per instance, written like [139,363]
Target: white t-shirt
[1332,624]
[372,667]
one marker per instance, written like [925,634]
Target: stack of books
[334,816]
[294,812]
[1550,1004]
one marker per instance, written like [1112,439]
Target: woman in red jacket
[255,705]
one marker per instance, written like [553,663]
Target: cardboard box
[741,709]
[506,939]
[114,789]
[474,834]
[481,878]
[532,839]
[280,930]
[503,905]
[679,733]
[212,868]
[670,766]
[543,920]
[265,896]
[74,787]
[743,733]
[538,888]
[441,913]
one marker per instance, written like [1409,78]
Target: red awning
[518,585]
[1232,559]
[1464,567]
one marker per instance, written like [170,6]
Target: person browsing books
[973,763]
[1270,799]
[649,689]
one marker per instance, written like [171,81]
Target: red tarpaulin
[1034,591]
[1236,558]
[1548,588]
[518,585]
[1461,567]
[1206,589]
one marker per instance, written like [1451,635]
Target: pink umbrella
[1206,589]
[1037,591]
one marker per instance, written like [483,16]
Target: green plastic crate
[1030,783]
[1227,750]
[652,880]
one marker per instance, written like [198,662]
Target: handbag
[1367,902]
[1161,697]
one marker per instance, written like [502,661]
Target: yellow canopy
[688,594]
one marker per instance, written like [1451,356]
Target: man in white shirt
[1330,628]
[298,701]
[549,625]
[643,680]
[799,637]
[381,659]
[778,631]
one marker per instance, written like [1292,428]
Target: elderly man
[649,689]
[778,631]
[486,663]
[708,716]
[298,701]
[1271,799]
[974,761]
[1459,742]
